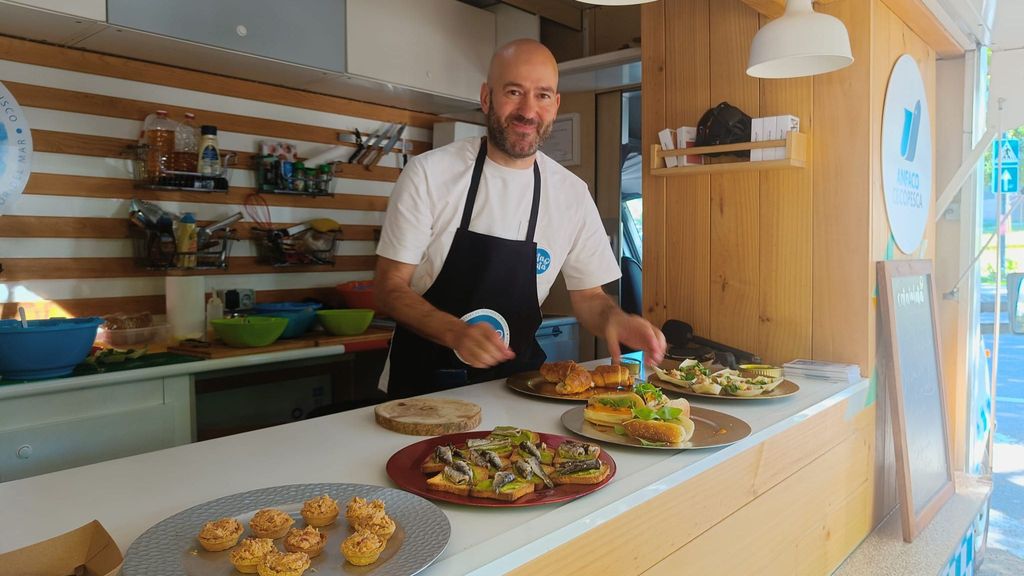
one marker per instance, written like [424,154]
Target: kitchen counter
[129,495]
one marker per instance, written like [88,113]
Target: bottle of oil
[186,147]
[160,141]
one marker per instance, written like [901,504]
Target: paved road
[1007,516]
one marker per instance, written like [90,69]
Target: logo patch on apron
[543,261]
[492,319]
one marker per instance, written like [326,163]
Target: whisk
[259,212]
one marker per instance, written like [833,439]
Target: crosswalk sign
[1006,166]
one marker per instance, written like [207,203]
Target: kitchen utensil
[249,332]
[45,348]
[258,210]
[376,140]
[324,224]
[347,322]
[428,416]
[170,547]
[360,146]
[711,429]
[300,315]
[384,150]
[21,315]
[151,212]
[204,233]
[404,470]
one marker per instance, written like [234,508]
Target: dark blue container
[47,348]
[300,315]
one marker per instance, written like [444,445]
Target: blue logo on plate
[911,125]
[543,261]
[15,150]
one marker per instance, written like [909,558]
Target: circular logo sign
[492,319]
[543,261]
[15,150]
[906,155]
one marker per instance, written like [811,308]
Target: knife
[370,162]
[371,149]
[371,142]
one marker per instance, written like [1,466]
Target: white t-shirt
[426,206]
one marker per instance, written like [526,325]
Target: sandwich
[669,424]
[538,450]
[458,478]
[504,486]
[611,408]
[576,380]
[572,450]
[612,376]
[590,471]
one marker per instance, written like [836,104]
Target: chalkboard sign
[907,291]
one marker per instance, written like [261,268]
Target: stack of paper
[821,370]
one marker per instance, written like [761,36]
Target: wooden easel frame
[912,523]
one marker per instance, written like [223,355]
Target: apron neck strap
[474,185]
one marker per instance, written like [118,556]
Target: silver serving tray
[711,429]
[170,547]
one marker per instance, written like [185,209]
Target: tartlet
[283,564]
[250,552]
[308,540]
[362,548]
[320,511]
[220,534]
[360,510]
[270,523]
[381,525]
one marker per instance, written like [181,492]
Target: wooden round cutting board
[428,416]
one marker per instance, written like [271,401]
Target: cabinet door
[50,447]
[91,9]
[438,46]
[307,32]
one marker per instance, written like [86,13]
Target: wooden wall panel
[687,95]
[656,218]
[786,238]
[735,206]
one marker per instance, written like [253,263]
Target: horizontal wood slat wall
[80,185]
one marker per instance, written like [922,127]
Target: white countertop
[131,494]
[107,378]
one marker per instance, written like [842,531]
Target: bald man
[475,234]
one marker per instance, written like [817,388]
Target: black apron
[484,275]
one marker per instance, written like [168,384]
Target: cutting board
[218,349]
[428,416]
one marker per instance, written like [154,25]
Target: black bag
[724,124]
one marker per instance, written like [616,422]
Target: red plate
[404,469]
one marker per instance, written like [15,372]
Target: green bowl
[249,332]
[347,322]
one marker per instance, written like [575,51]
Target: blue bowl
[300,315]
[47,348]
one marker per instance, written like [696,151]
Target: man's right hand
[480,346]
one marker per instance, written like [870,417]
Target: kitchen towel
[186,306]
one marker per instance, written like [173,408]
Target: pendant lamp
[801,42]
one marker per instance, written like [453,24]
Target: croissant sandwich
[669,424]
[612,376]
[611,408]
[576,381]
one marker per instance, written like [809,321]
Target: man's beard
[516,144]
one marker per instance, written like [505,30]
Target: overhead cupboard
[428,55]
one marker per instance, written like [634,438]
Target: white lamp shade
[800,43]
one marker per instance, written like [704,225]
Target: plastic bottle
[185,238]
[186,145]
[208,159]
[160,131]
[214,311]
